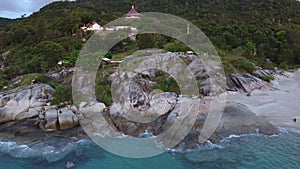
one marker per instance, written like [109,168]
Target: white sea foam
[288,130]
[234,136]
[39,150]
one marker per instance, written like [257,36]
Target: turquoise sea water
[245,152]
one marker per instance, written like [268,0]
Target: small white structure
[107,60]
[115,28]
[190,52]
[94,27]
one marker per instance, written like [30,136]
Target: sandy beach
[281,107]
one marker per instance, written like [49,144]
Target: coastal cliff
[28,116]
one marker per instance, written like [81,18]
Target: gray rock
[62,75]
[237,119]
[246,83]
[67,119]
[16,102]
[51,117]
[29,114]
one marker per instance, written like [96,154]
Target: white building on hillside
[94,27]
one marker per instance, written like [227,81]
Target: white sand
[280,107]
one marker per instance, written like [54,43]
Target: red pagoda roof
[133,12]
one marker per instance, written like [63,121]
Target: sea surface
[245,152]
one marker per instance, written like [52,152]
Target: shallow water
[248,151]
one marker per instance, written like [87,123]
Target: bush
[43,78]
[3,82]
[103,92]
[176,47]
[118,57]
[169,85]
[243,64]
[62,93]
[267,78]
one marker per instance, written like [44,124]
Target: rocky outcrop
[5,55]
[23,102]
[236,119]
[67,119]
[245,83]
[33,102]
[276,74]
[64,75]
[136,108]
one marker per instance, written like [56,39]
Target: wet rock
[238,119]
[70,164]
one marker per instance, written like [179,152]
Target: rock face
[239,119]
[236,119]
[62,75]
[18,104]
[67,119]
[59,119]
[137,108]
[277,74]
[51,120]
[31,102]
[246,83]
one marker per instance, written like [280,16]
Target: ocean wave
[288,130]
[51,150]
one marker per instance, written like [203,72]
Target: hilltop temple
[132,14]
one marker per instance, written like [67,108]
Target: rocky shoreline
[26,115]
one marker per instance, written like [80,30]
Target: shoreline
[54,153]
[279,106]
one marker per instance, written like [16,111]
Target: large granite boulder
[59,119]
[276,74]
[236,119]
[67,119]
[17,104]
[64,75]
[51,117]
[246,83]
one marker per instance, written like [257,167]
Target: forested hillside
[266,33]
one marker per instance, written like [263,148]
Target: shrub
[43,78]
[103,92]
[3,82]
[62,93]
[267,78]
[168,85]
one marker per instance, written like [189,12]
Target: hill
[4,22]
[266,33]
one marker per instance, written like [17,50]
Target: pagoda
[132,14]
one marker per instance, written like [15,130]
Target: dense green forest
[266,33]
